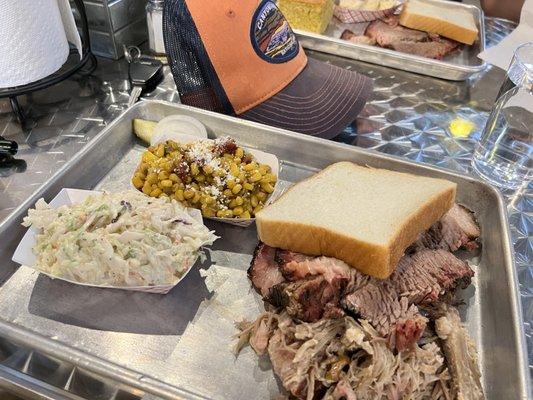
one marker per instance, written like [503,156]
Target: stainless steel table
[407,116]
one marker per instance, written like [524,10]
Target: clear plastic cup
[504,153]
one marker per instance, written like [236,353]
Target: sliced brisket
[392,316]
[309,299]
[357,39]
[421,278]
[456,229]
[264,272]
[389,34]
[426,275]
[432,49]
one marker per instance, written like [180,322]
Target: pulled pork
[345,359]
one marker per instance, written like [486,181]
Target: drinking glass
[504,153]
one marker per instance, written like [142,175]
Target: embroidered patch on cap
[272,37]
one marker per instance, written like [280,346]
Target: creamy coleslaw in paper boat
[122,240]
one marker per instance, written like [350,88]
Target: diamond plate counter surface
[408,116]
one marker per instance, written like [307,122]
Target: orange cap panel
[225,28]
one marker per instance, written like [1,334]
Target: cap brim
[321,101]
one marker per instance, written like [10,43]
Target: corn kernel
[267,187]
[263,169]
[174,178]
[256,176]
[151,178]
[179,195]
[137,182]
[188,194]
[261,196]
[148,157]
[194,169]
[251,166]
[236,189]
[156,192]
[147,188]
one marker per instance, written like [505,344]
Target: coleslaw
[118,239]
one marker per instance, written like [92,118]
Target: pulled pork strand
[335,358]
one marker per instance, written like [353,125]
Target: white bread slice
[452,23]
[366,217]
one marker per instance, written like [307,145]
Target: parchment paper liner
[351,16]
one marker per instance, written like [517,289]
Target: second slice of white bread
[366,217]
[453,23]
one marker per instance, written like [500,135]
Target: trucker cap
[241,57]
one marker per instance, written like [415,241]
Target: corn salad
[218,177]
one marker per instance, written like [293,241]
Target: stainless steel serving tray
[180,345]
[457,66]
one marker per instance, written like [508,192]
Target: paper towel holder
[86,65]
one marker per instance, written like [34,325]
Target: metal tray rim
[127,376]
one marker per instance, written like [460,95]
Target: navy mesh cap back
[196,80]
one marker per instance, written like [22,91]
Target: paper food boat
[24,254]
[351,16]
[263,158]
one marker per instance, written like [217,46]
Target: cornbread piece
[452,23]
[363,216]
[307,15]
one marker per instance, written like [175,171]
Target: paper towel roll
[33,39]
